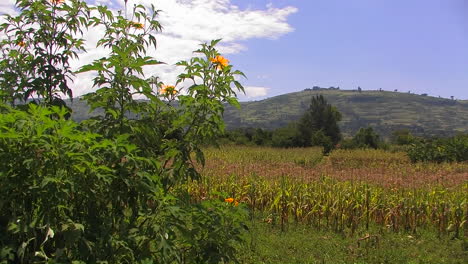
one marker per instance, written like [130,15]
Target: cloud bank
[255,91]
[186,24]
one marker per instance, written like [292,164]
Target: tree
[321,116]
[366,138]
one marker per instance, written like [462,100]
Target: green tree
[321,116]
[366,138]
[285,137]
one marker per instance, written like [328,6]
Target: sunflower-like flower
[168,90]
[220,61]
[21,44]
[229,200]
[136,25]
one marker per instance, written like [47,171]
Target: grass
[305,244]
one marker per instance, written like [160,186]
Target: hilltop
[384,111]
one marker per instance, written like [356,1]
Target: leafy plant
[440,150]
[120,74]
[39,44]
[364,138]
[110,189]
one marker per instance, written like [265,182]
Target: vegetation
[301,243]
[384,111]
[364,138]
[440,149]
[355,206]
[319,125]
[138,183]
[107,190]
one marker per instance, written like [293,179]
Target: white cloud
[7,7]
[255,91]
[186,24]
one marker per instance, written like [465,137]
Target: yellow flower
[229,200]
[220,61]
[168,90]
[21,44]
[137,25]
[236,203]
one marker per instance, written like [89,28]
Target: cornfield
[345,192]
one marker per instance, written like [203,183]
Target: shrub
[109,189]
[364,138]
[440,150]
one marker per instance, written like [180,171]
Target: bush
[108,189]
[285,137]
[364,138]
[440,150]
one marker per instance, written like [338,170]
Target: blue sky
[419,46]
[289,45]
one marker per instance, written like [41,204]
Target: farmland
[354,196]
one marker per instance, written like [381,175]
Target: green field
[360,206]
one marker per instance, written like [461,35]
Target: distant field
[370,195]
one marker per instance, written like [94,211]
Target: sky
[285,46]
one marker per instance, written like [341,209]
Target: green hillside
[385,111]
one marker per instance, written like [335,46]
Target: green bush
[364,138]
[108,190]
[440,150]
[285,137]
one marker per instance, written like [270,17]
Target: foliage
[319,125]
[364,138]
[109,189]
[384,111]
[67,192]
[440,150]
[39,44]
[119,75]
[247,136]
[319,138]
[301,243]
[348,192]
[285,137]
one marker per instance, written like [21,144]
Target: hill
[384,111]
